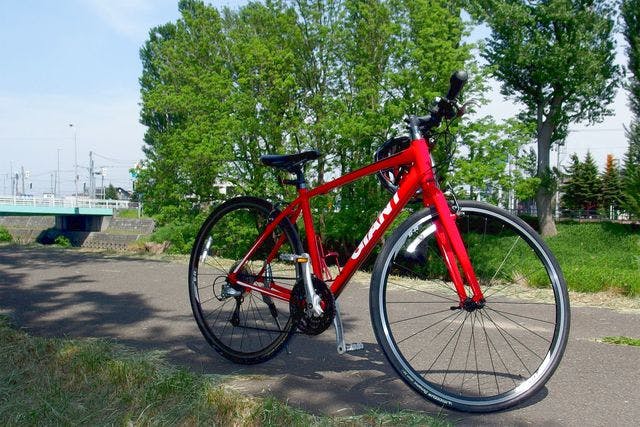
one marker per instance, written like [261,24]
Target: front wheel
[485,358]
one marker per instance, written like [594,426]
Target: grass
[129,214]
[634,342]
[599,257]
[45,381]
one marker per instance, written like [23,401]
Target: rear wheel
[483,358]
[243,325]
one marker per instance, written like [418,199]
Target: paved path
[143,303]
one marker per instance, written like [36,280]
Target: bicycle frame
[420,176]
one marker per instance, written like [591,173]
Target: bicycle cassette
[307,323]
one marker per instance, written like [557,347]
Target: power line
[597,130]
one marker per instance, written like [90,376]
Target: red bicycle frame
[419,176]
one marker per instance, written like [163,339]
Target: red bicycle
[467,302]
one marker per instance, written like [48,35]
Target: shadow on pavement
[143,303]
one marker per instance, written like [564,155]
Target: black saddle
[289,162]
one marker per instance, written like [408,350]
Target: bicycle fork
[454,253]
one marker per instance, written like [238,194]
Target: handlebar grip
[457,81]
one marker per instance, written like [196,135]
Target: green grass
[634,342]
[128,214]
[599,257]
[94,382]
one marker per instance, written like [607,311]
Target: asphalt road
[143,303]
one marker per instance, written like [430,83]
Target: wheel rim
[250,325]
[488,356]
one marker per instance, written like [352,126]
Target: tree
[611,186]
[486,158]
[111,193]
[527,184]
[631,172]
[186,91]
[583,189]
[556,57]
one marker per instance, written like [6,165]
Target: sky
[76,62]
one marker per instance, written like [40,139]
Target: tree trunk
[545,205]
[544,195]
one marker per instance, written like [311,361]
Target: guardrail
[65,202]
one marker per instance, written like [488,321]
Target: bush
[181,236]
[62,241]
[5,236]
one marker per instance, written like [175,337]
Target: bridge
[71,213]
[27,205]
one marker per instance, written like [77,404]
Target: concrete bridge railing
[64,202]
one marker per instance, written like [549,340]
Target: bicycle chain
[307,323]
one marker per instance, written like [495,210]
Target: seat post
[300,181]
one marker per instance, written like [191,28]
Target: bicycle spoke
[522,316]
[420,316]
[504,335]
[521,326]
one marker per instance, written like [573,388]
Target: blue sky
[73,61]
[76,61]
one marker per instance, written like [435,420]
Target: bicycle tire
[483,360]
[252,327]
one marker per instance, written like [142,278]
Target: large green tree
[556,57]
[221,88]
[631,173]
[187,106]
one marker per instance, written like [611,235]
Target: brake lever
[465,107]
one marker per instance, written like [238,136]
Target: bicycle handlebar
[446,107]
[456,83]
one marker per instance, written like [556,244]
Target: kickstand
[342,347]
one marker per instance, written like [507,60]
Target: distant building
[123,194]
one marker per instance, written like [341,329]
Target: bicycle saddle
[289,162]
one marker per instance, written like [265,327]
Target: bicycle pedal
[356,346]
[299,259]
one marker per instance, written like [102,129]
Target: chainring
[308,324]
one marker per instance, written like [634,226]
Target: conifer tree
[611,186]
[584,188]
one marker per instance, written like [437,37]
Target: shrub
[5,236]
[62,241]
[181,236]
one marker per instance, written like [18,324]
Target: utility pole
[92,178]
[103,170]
[56,193]
[75,145]
[22,173]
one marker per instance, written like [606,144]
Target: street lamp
[75,144]
[56,193]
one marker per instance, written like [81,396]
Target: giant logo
[376,225]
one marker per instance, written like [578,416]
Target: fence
[66,202]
